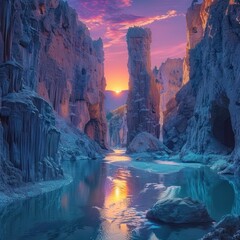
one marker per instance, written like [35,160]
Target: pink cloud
[120,24]
[108,14]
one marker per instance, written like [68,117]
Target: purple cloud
[109,15]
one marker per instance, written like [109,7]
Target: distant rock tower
[143,97]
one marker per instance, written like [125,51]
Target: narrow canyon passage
[108,200]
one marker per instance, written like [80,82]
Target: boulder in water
[179,211]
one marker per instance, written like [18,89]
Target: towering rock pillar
[143,97]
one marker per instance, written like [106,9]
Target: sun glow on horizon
[117,91]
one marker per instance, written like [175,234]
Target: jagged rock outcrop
[117,127]
[180,110]
[143,97]
[47,59]
[169,78]
[29,139]
[75,145]
[50,42]
[211,97]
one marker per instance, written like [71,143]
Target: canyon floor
[108,199]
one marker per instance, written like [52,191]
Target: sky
[110,20]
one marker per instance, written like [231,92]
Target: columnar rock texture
[169,78]
[117,127]
[47,62]
[62,63]
[208,105]
[143,97]
[29,139]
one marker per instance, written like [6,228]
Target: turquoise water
[108,201]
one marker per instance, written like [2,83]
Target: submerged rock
[227,229]
[179,211]
[145,142]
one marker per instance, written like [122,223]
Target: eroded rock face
[179,211]
[211,97]
[115,100]
[30,136]
[47,59]
[143,97]
[169,78]
[62,63]
[117,125]
[176,119]
[146,142]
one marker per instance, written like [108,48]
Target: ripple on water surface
[107,201]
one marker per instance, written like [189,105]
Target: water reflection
[205,186]
[116,204]
[118,155]
[109,202]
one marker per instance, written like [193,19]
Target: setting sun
[117,91]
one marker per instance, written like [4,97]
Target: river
[108,200]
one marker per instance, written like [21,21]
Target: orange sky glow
[110,20]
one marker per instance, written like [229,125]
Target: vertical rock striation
[117,125]
[62,63]
[208,105]
[143,97]
[47,62]
[30,140]
[169,78]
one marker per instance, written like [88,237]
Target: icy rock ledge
[228,229]
[179,211]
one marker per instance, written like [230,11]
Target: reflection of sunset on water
[116,203]
[117,155]
[118,193]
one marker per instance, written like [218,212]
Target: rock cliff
[47,62]
[143,97]
[52,44]
[207,109]
[169,78]
[117,127]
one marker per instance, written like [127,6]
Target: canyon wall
[47,62]
[30,140]
[208,105]
[169,78]
[143,97]
[62,63]
[117,127]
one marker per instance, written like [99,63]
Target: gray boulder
[146,142]
[179,211]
